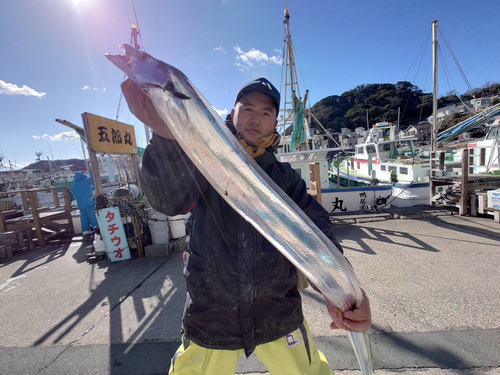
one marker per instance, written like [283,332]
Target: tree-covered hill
[47,166]
[382,101]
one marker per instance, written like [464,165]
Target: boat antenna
[137,30]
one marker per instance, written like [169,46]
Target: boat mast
[435,86]
[434,112]
[291,81]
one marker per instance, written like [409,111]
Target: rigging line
[456,62]
[426,40]
[300,70]
[423,91]
[448,74]
[446,71]
[414,79]
[421,49]
[138,28]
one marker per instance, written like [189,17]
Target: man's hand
[142,108]
[357,320]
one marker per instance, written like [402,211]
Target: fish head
[146,71]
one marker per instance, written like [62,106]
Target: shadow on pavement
[30,257]
[361,234]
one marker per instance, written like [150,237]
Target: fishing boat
[383,158]
[486,153]
[308,153]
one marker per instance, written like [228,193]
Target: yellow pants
[287,355]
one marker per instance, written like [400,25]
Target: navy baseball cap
[263,86]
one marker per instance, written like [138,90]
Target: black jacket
[242,291]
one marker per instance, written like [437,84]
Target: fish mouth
[123,62]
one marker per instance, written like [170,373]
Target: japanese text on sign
[111,227]
[111,136]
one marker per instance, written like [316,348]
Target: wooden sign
[111,136]
[113,234]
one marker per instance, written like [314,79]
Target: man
[242,292]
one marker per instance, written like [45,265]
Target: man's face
[254,116]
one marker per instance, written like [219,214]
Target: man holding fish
[243,294]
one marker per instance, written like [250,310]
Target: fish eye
[144,57]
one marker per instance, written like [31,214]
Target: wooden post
[465,183]
[3,222]
[33,198]
[441,160]
[67,202]
[24,196]
[56,197]
[317,176]
[36,220]
[67,208]
[29,237]
[94,164]
[473,205]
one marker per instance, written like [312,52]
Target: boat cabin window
[298,170]
[371,150]
[403,170]
[493,132]
[360,150]
[391,168]
[383,167]
[385,147]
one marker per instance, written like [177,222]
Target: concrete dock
[433,282]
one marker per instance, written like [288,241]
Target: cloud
[278,50]
[221,112]
[12,89]
[254,56]
[219,49]
[241,68]
[64,136]
[88,88]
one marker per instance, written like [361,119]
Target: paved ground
[433,284]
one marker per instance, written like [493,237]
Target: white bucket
[152,214]
[159,232]
[77,223]
[125,191]
[178,225]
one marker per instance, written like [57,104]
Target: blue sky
[53,63]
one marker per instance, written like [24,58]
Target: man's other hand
[142,107]
[357,320]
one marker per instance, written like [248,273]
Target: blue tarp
[468,124]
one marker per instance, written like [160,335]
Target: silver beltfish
[228,167]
